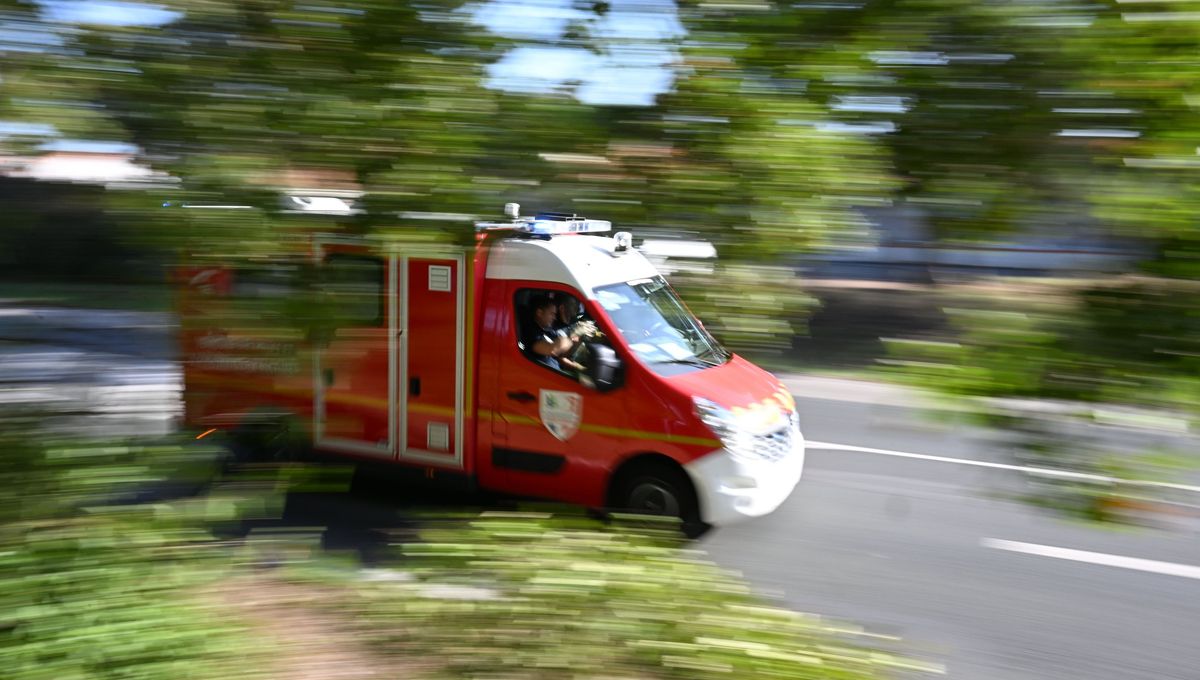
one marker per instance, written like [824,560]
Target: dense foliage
[93,588]
[773,126]
[528,595]
[113,570]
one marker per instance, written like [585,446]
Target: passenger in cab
[568,313]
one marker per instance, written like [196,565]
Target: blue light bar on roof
[546,223]
[550,227]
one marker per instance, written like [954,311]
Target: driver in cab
[556,333]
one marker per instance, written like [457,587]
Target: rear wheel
[662,490]
[270,440]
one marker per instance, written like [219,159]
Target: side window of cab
[555,331]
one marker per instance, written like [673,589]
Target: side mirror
[605,368]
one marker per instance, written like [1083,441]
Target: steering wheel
[580,351]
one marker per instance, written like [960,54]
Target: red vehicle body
[427,364]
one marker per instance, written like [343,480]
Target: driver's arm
[561,345]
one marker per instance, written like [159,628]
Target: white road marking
[1153,566]
[1045,472]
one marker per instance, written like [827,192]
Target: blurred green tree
[236,98]
[782,119]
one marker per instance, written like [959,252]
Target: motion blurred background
[994,202]
[1036,158]
[992,199]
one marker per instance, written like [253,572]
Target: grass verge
[98,588]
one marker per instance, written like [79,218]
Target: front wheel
[662,491]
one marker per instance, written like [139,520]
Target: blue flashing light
[546,224]
[551,227]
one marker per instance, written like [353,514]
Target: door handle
[521,396]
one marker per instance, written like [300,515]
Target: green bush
[522,595]
[94,590]
[97,589]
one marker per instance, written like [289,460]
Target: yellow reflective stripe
[344,399]
[513,418]
[341,399]
[431,409]
[516,419]
[654,436]
[244,385]
[382,404]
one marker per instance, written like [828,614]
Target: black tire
[271,441]
[662,490]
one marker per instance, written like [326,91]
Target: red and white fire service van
[549,359]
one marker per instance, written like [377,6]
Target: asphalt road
[931,546]
[943,555]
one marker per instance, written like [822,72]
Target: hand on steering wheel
[577,352]
[584,329]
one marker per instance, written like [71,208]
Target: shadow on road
[365,513]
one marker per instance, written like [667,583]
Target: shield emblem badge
[561,412]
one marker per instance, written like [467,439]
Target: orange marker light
[204,434]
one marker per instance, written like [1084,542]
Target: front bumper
[733,489]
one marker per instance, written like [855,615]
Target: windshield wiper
[719,356]
[694,361]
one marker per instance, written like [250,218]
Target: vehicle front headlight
[723,424]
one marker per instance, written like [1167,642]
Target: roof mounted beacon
[546,224]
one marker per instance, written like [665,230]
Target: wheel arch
[262,428]
[642,460]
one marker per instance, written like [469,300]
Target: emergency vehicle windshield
[658,328]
